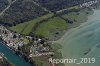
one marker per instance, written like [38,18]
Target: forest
[55,5]
[20,11]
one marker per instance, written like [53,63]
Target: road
[7,8]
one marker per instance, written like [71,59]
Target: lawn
[53,25]
[26,27]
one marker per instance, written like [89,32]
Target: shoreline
[71,30]
[5,59]
[74,26]
[59,41]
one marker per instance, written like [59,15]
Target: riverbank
[11,56]
[4,61]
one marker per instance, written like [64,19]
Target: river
[83,41]
[12,57]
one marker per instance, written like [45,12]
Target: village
[87,4]
[13,40]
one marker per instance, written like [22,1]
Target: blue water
[12,57]
[83,39]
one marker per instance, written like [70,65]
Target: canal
[12,57]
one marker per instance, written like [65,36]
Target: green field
[50,27]
[71,16]
[41,62]
[26,27]
[77,16]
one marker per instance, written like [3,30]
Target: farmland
[26,27]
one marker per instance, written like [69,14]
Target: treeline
[21,11]
[55,5]
[3,4]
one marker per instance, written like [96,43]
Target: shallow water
[83,41]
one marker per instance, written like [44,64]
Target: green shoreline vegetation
[87,12]
[56,47]
[26,28]
[52,28]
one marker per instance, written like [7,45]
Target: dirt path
[7,8]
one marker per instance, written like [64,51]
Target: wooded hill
[3,4]
[24,10]
[20,11]
[55,5]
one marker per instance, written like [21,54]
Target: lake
[83,41]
